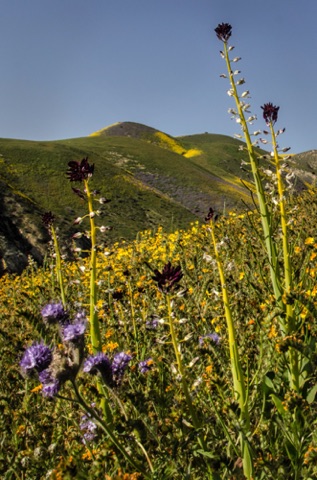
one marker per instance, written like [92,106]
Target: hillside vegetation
[150,178]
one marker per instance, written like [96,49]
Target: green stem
[108,430]
[182,373]
[288,278]
[263,206]
[135,331]
[58,265]
[94,323]
[240,391]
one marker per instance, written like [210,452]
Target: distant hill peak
[148,134]
[125,129]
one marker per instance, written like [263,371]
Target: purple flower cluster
[36,358]
[89,429]
[146,365]
[152,324]
[50,384]
[213,337]
[74,332]
[55,366]
[111,372]
[55,313]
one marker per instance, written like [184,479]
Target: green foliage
[40,436]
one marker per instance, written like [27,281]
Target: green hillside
[149,177]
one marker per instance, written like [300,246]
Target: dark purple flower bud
[213,337]
[169,277]
[223,31]
[36,358]
[48,219]
[79,171]
[146,365]
[55,313]
[50,384]
[79,193]
[212,216]
[119,364]
[270,113]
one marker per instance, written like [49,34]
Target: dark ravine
[21,236]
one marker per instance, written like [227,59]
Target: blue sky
[70,67]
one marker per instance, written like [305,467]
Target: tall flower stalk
[82,172]
[48,220]
[282,284]
[223,32]
[239,386]
[167,281]
[270,115]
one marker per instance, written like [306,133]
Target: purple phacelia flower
[89,429]
[36,358]
[55,313]
[50,384]
[119,364]
[214,337]
[99,363]
[146,365]
[74,332]
[152,324]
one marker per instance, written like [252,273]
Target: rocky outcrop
[22,235]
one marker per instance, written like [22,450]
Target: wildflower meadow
[189,355]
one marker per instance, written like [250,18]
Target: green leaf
[311,394]
[206,454]
[279,405]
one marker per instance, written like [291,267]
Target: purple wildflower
[55,313]
[146,365]
[99,363]
[89,428]
[74,332]
[169,277]
[214,337]
[48,219]
[270,113]
[51,385]
[36,358]
[223,31]
[79,171]
[152,324]
[119,364]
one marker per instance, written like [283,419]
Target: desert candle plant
[223,32]
[82,172]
